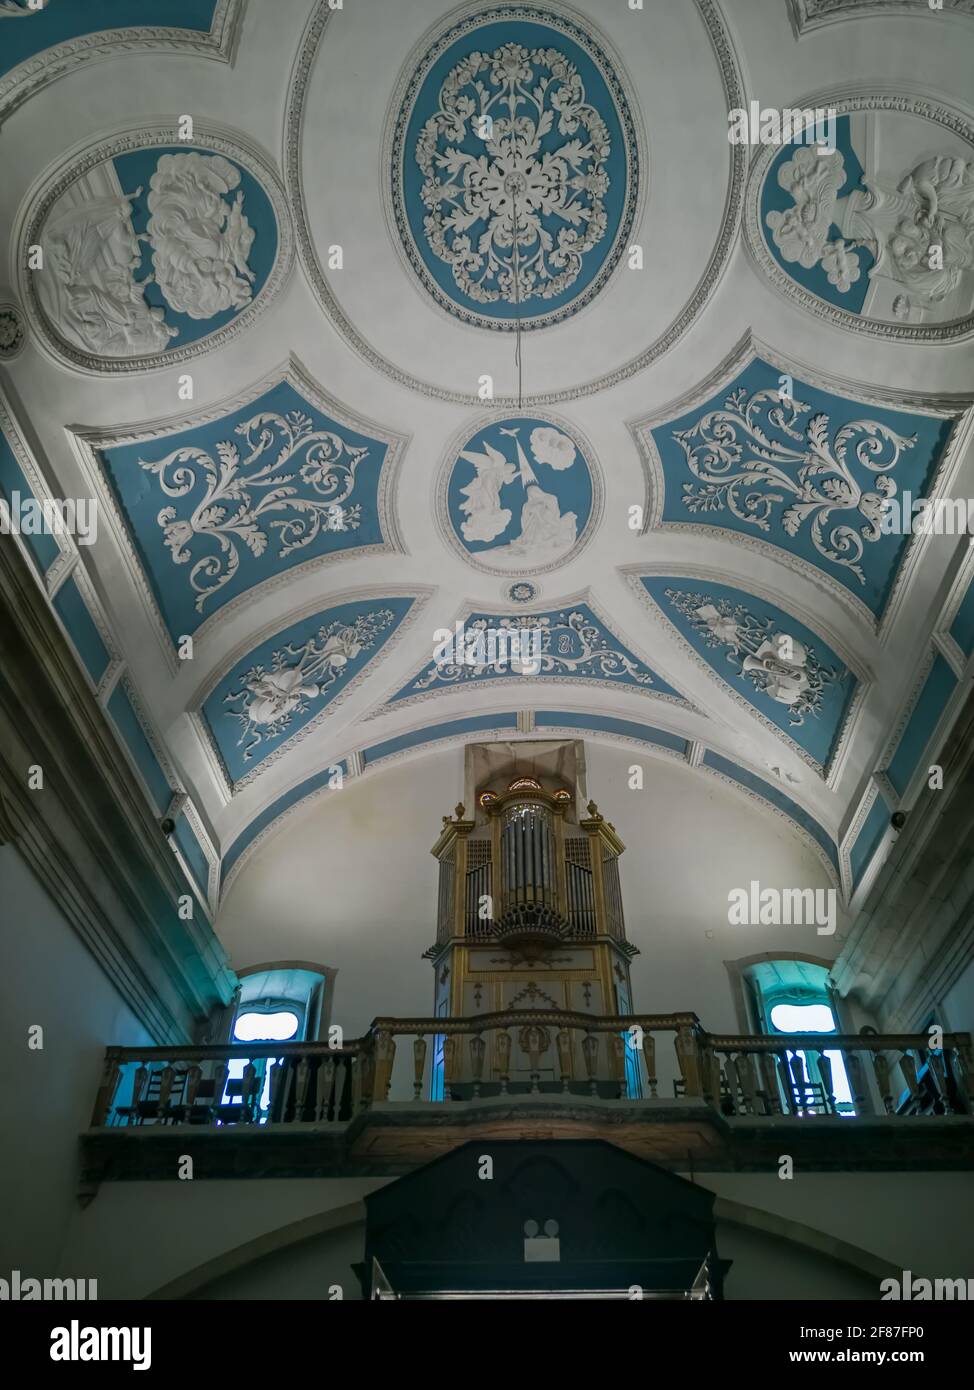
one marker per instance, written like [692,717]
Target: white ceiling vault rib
[389,377]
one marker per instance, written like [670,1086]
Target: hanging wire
[517,311]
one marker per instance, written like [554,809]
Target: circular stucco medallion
[519,495]
[154,250]
[521,591]
[13,334]
[873,229]
[515,168]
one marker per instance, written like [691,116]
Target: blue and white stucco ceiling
[440,314]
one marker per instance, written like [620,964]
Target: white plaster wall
[138,1238]
[916,1221]
[349,880]
[47,977]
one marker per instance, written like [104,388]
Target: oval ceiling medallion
[153,250]
[519,495]
[877,233]
[515,168]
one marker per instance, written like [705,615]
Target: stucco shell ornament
[146,250]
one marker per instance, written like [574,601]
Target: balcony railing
[533,1053]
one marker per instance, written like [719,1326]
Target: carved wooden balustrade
[533,1053]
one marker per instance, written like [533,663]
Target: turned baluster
[219,1086]
[799,1081]
[649,1054]
[908,1067]
[451,1057]
[277,1089]
[478,1049]
[881,1072]
[110,1077]
[825,1072]
[502,1058]
[534,1041]
[939,1073]
[302,1079]
[248,1088]
[419,1065]
[366,1077]
[590,1054]
[690,1058]
[385,1056]
[194,1075]
[165,1088]
[962,1060]
[619,1054]
[138,1086]
[766,1066]
[564,1056]
[733,1083]
[327,1088]
[712,1076]
[857,1079]
[747,1080]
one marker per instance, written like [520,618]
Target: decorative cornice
[845,102]
[40,69]
[90,836]
[293,144]
[50,185]
[914,935]
[808,15]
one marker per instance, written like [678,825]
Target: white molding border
[183,805]
[441,490]
[44,67]
[846,101]
[31,470]
[960,584]
[955,407]
[67,564]
[159,750]
[938,734]
[420,595]
[832,770]
[851,834]
[88,442]
[208,138]
[293,142]
[584,596]
[809,15]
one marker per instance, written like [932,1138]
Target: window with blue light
[815,1018]
[259,1025]
[794,996]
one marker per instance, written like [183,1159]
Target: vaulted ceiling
[363,320]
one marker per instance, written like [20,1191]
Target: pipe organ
[530,919]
